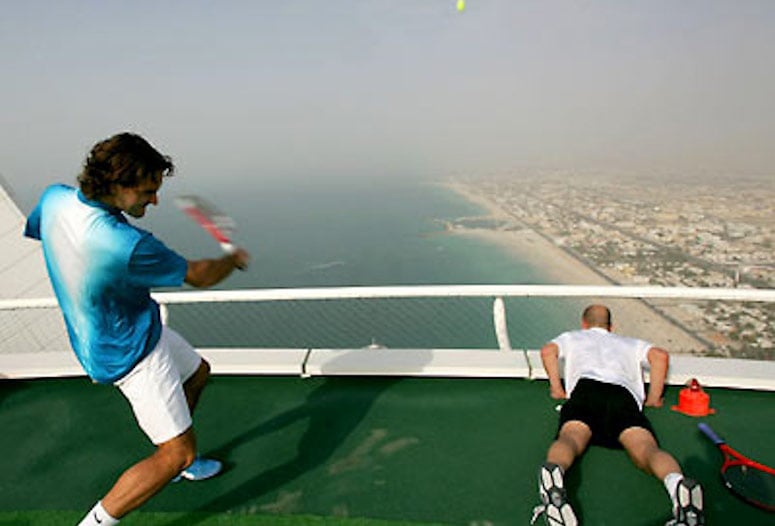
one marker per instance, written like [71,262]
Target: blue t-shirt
[102,269]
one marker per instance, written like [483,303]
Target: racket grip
[230,249]
[705,428]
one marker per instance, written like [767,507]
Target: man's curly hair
[125,159]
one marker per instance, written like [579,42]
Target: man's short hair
[126,159]
[597,316]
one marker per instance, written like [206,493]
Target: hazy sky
[390,87]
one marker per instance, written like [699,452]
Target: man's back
[598,354]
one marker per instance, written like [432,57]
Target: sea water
[346,232]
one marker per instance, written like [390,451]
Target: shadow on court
[333,410]
[9,388]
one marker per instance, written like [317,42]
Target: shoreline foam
[632,317]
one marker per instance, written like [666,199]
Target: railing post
[501,329]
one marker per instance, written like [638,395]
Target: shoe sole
[558,511]
[690,503]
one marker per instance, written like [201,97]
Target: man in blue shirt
[102,269]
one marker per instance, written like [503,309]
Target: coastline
[527,244]
[632,317]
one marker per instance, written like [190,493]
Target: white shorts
[154,387]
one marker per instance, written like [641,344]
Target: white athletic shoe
[688,508]
[554,500]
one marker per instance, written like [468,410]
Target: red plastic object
[693,401]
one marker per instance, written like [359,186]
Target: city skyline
[674,235]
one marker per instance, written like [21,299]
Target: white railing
[519,361]
[447,291]
[419,291]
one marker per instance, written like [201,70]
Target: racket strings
[751,483]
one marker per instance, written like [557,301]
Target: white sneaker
[555,507]
[688,509]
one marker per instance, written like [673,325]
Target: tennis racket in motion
[749,480]
[215,222]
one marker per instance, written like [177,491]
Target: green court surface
[356,452]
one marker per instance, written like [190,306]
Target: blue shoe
[200,469]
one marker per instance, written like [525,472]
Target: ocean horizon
[348,232]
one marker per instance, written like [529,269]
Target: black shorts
[607,409]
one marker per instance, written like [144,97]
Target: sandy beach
[528,244]
[631,317]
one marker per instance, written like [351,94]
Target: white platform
[456,363]
[39,365]
[256,361]
[420,362]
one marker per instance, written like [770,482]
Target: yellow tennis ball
[461,5]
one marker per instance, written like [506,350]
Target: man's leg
[571,442]
[201,468]
[146,478]
[685,494]
[162,406]
[642,447]
[194,386]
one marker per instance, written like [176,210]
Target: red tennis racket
[749,480]
[216,223]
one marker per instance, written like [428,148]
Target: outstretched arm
[659,362]
[550,356]
[208,272]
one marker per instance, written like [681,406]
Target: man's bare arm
[659,361]
[208,272]
[550,356]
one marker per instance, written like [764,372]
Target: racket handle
[230,249]
[705,428]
